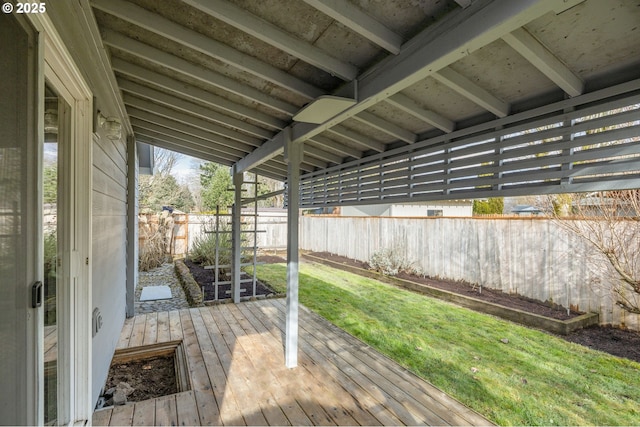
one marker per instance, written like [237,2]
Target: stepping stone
[150,293]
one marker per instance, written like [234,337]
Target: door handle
[36,295]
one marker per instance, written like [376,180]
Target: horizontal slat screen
[588,143]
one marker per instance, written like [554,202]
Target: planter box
[561,327]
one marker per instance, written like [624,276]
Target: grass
[534,379]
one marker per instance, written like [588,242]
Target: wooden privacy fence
[184,229]
[532,257]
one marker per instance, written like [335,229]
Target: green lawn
[534,379]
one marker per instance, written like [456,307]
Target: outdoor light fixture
[111,126]
[323,108]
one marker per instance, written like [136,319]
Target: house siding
[109,250]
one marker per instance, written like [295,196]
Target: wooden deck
[236,364]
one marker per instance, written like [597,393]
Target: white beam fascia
[410,106]
[472,91]
[544,60]
[352,17]
[157,56]
[229,124]
[336,147]
[386,127]
[193,92]
[184,135]
[356,138]
[166,28]
[269,33]
[437,47]
[176,128]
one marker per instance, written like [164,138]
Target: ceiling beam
[357,138]
[182,146]
[178,134]
[273,35]
[386,127]
[360,22]
[410,106]
[472,91]
[159,57]
[322,155]
[189,109]
[195,93]
[186,128]
[166,28]
[335,147]
[544,60]
[438,46]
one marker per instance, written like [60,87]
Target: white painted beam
[544,60]
[194,93]
[472,91]
[410,106]
[159,57]
[293,155]
[271,34]
[360,22]
[386,127]
[166,28]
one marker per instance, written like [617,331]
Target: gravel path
[163,275]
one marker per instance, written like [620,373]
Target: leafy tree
[158,191]
[162,188]
[215,180]
[491,206]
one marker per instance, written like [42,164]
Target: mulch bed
[205,277]
[615,341]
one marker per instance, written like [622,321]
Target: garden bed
[205,277]
[615,341]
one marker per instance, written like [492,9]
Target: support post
[236,240]
[293,157]
[132,225]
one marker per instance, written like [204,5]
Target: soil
[205,278]
[150,378]
[615,341]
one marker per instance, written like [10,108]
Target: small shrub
[390,262]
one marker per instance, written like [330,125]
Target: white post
[236,241]
[293,157]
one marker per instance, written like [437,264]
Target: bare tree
[610,222]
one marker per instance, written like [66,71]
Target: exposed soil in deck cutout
[618,342]
[150,378]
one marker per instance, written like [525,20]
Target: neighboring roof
[525,209]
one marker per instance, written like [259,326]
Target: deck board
[235,360]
